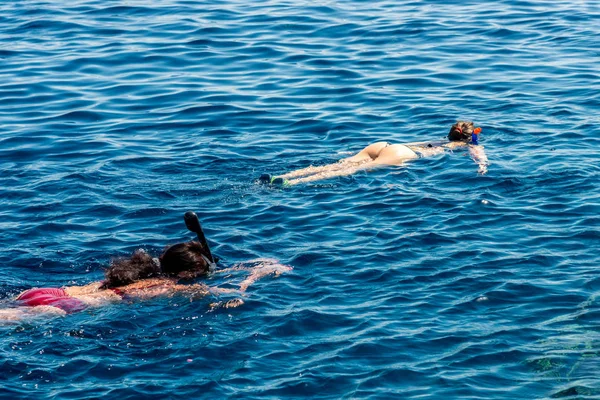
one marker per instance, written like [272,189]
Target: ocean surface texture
[426,281]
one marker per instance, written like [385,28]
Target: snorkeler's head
[184,260]
[461,131]
[123,271]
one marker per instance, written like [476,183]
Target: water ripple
[424,281]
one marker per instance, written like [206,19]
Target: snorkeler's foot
[280,182]
[267,179]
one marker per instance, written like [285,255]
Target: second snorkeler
[462,134]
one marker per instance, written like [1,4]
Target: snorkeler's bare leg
[377,154]
[383,153]
[19,313]
[367,154]
[395,154]
[349,169]
[312,170]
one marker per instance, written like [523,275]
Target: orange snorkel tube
[474,137]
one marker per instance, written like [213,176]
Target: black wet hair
[184,260]
[124,271]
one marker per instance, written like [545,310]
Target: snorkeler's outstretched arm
[476,152]
[478,155]
[259,269]
[264,268]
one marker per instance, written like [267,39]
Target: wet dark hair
[184,260]
[461,130]
[123,271]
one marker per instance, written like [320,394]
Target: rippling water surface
[427,281]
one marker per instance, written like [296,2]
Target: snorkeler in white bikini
[462,134]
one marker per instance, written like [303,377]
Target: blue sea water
[427,281]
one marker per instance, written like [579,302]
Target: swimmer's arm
[478,155]
[231,269]
[262,270]
[256,264]
[476,152]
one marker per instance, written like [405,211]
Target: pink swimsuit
[55,297]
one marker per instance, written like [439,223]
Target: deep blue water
[427,281]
